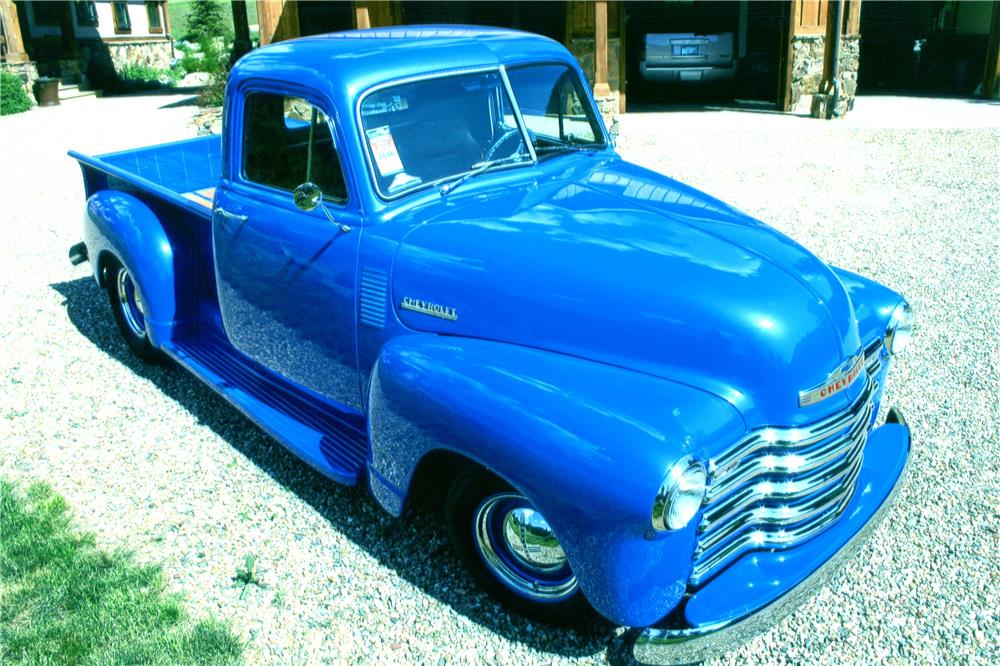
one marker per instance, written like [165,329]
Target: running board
[333,442]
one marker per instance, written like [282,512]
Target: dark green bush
[13,98]
[134,77]
[214,91]
[208,20]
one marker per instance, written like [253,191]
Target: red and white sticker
[384,151]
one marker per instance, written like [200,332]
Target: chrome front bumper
[684,643]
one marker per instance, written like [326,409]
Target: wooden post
[362,20]
[622,71]
[601,86]
[241,31]
[833,30]
[853,13]
[789,21]
[279,19]
[12,33]
[166,19]
[991,76]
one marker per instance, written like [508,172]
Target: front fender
[587,443]
[121,224]
[873,303]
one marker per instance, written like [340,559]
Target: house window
[86,13]
[287,143]
[153,13]
[119,10]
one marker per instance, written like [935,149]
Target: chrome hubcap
[131,304]
[520,549]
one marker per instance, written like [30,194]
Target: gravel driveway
[153,461]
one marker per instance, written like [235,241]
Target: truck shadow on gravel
[415,547]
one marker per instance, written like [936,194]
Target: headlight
[900,329]
[680,495]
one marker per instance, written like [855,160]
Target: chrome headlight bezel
[680,495]
[899,330]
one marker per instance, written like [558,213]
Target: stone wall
[103,60]
[807,70]
[27,72]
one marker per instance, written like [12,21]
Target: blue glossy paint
[119,224]
[593,475]
[610,319]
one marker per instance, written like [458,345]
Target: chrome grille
[873,359]
[780,486]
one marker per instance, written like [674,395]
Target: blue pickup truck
[414,257]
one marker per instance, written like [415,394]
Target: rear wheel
[129,312]
[511,550]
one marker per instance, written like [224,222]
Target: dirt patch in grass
[62,600]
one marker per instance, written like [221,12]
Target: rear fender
[588,444]
[120,225]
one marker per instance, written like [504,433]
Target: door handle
[219,210]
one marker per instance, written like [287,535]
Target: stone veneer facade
[99,58]
[807,70]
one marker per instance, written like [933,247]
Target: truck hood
[618,264]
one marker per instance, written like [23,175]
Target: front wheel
[511,551]
[128,308]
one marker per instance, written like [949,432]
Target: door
[286,277]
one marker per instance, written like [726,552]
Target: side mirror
[307,196]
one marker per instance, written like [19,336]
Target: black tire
[467,496]
[125,299]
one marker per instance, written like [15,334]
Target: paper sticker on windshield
[384,150]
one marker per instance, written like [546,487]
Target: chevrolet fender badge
[432,309]
[840,379]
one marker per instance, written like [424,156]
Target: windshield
[555,108]
[449,127]
[427,131]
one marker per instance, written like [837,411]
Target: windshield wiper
[482,168]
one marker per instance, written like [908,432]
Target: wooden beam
[12,33]
[832,31]
[991,75]
[853,14]
[601,86]
[789,20]
[278,19]
[622,27]
[362,20]
[166,18]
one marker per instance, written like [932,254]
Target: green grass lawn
[64,601]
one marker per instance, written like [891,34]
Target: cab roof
[344,64]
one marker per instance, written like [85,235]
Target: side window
[287,142]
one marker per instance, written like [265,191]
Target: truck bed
[183,172]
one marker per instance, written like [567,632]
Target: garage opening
[923,48]
[704,51]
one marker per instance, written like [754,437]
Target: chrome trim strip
[517,113]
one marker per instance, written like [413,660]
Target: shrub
[215,90]
[207,21]
[13,98]
[142,77]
